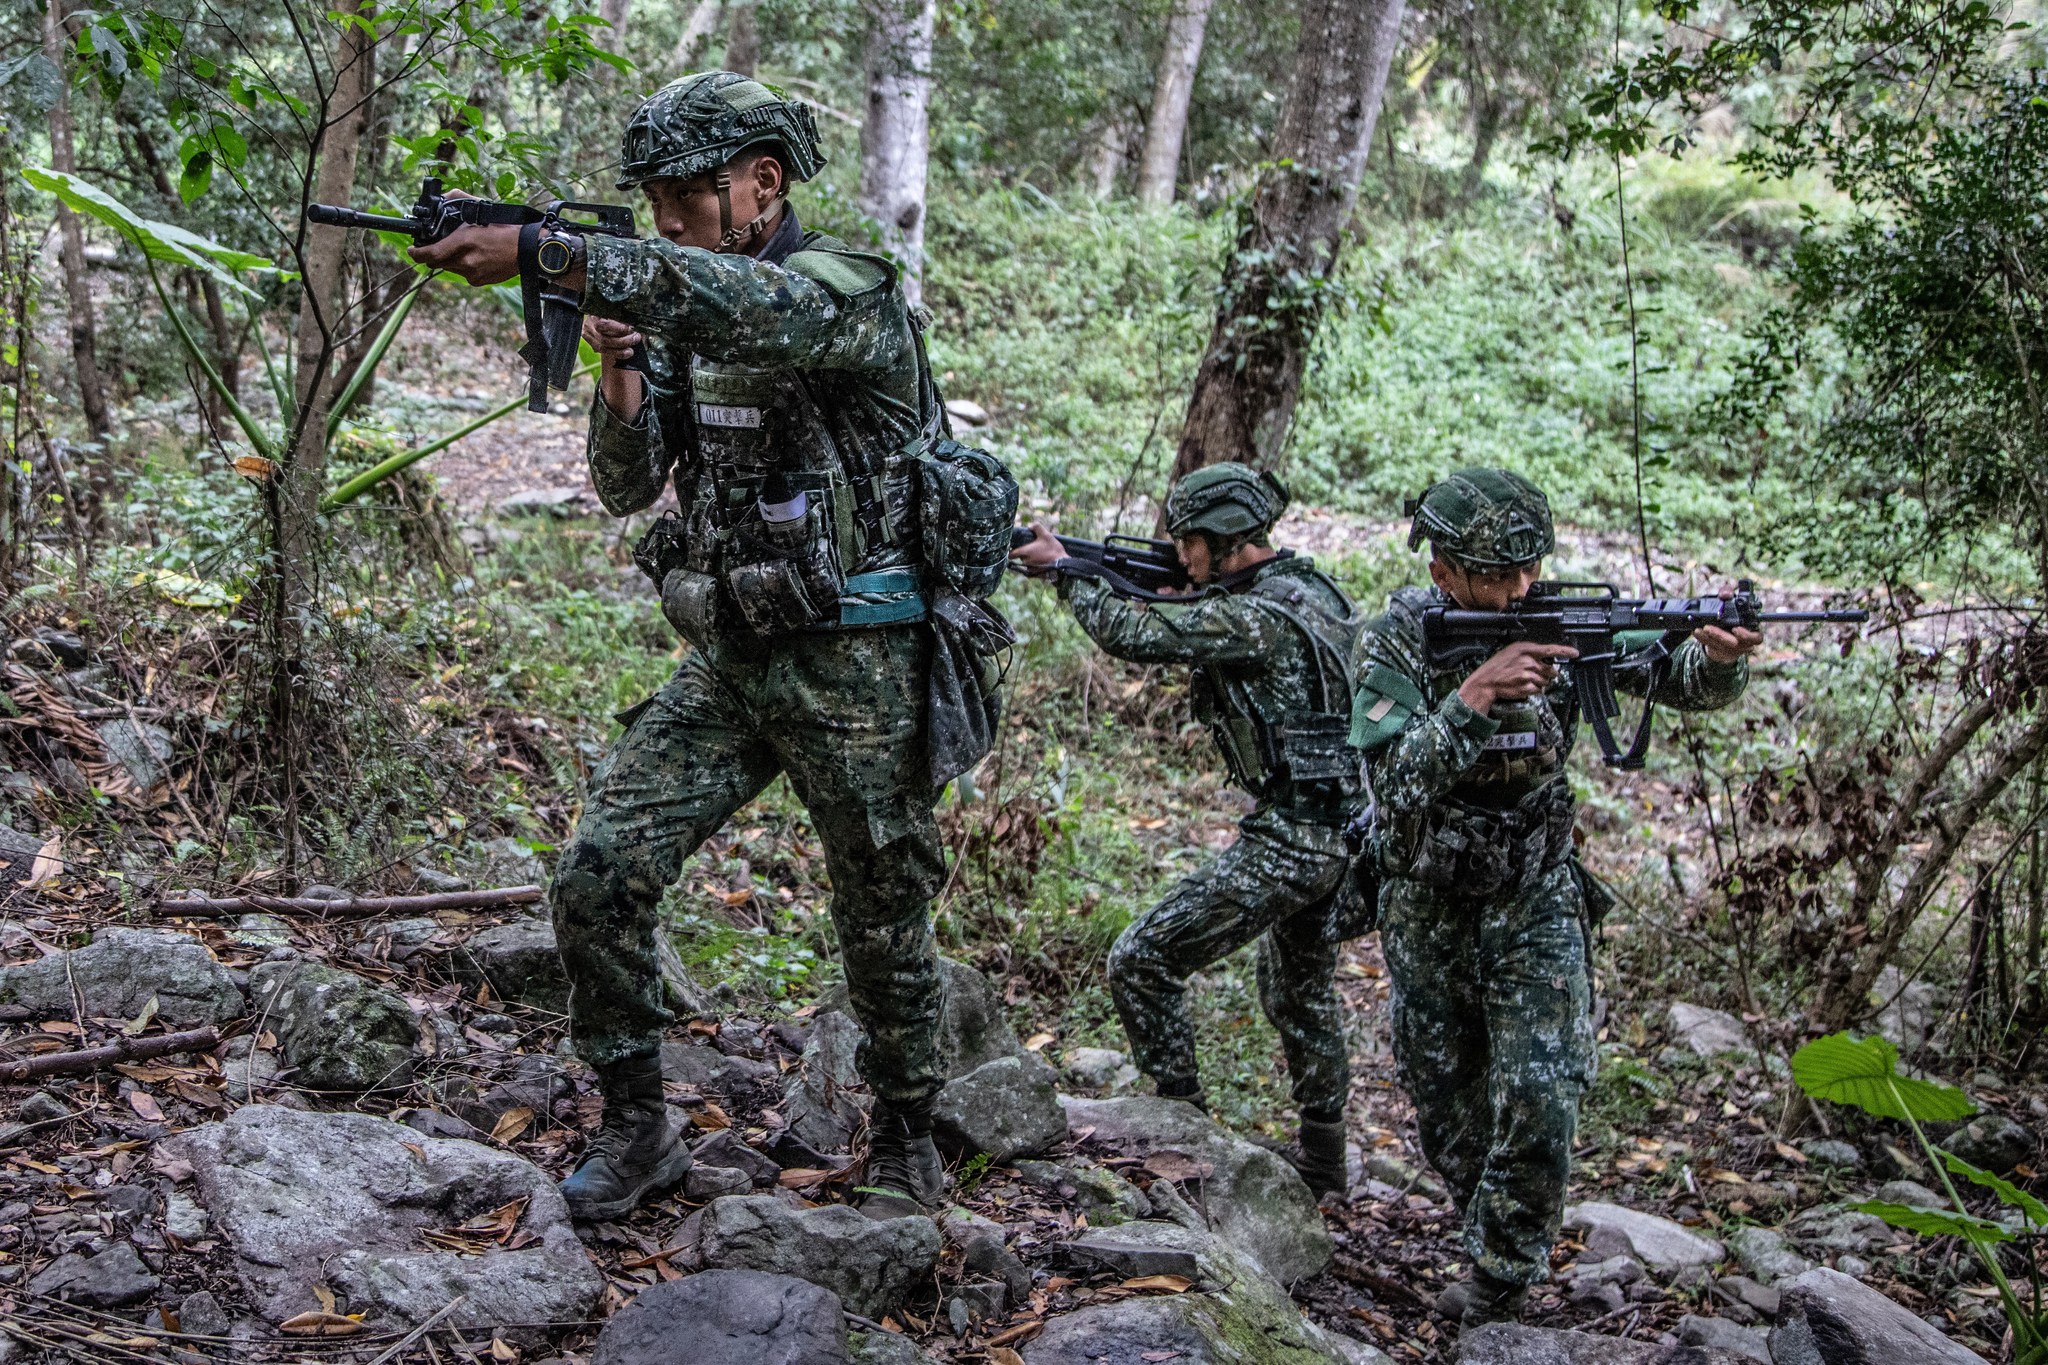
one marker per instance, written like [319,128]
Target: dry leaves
[1015,1336]
[1003,1355]
[803,1178]
[1171,1284]
[482,1232]
[512,1123]
[145,1105]
[322,1324]
[1177,1166]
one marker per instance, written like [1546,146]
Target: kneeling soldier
[1483,902]
[1268,638]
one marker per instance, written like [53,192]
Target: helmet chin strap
[728,235]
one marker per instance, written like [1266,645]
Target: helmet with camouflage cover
[1483,519]
[700,122]
[1228,499]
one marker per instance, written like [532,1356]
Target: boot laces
[890,1166]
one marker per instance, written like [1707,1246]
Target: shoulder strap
[1337,693]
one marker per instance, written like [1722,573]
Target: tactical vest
[1290,755]
[793,516]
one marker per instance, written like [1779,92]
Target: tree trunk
[742,40]
[1160,165]
[698,27]
[615,13]
[92,395]
[1112,149]
[1289,233]
[894,136]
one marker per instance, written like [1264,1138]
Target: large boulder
[973,1027]
[519,960]
[337,1030]
[1236,1314]
[1707,1031]
[1512,1344]
[1829,1319]
[347,1200]
[728,1317]
[823,1099]
[1657,1242]
[871,1265]
[1250,1197]
[1005,1108]
[120,971]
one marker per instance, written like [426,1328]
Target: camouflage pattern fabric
[1492,996]
[816,340]
[1276,883]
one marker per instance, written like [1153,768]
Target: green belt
[884,597]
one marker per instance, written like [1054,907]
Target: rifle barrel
[335,215]
[1837,617]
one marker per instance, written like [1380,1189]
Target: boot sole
[665,1176]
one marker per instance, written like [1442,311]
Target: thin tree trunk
[703,21]
[1291,231]
[895,134]
[227,353]
[742,39]
[615,13]
[1112,149]
[92,395]
[1171,94]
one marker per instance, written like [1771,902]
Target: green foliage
[2009,1194]
[1864,1072]
[1936,1222]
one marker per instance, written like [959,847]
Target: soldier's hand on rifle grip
[614,342]
[480,253]
[1728,646]
[1516,673]
[1037,555]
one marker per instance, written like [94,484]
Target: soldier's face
[1195,558]
[685,211]
[1484,589]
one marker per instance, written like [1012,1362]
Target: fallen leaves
[512,1123]
[1170,1284]
[1015,1336]
[480,1233]
[322,1324]
[1177,1166]
[145,1105]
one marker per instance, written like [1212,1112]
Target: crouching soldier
[1268,637]
[1482,908]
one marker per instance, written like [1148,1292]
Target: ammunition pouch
[1479,852]
[690,602]
[1320,763]
[783,570]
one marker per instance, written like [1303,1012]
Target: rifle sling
[535,351]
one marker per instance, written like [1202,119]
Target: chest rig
[1286,750]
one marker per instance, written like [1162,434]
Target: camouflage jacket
[1268,662]
[801,363]
[1424,745]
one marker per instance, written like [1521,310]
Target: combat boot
[904,1175]
[635,1153]
[1481,1299]
[1318,1156]
[1188,1092]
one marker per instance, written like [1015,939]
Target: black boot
[1318,1156]
[904,1175]
[635,1152]
[1482,1299]
[1188,1091]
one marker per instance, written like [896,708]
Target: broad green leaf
[165,242]
[1865,1072]
[197,177]
[2009,1194]
[1936,1222]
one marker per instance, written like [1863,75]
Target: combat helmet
[1483,519]
[1228,499]
[699,122]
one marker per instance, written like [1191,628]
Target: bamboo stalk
[191,906]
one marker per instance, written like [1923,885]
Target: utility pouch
[690,602]
[1318,754]
[661,548]
[782,567]
[967,506]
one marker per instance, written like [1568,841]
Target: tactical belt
[882,597]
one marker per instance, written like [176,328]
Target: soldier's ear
[770,175]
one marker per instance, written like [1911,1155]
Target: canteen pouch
[690,602]
[782,567]
[967,505]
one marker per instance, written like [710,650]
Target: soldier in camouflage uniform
[786,397]
[1268,639]
[1483,913]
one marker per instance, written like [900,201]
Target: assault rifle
[554,319]
[1134,568]
[1590,617]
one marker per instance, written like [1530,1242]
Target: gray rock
[1994,1142]
[398,939]
[1100,1068]
[823,1099]
[17,850]
[1511,1344]
[974,1027]
[1104,1196]
[534,1081]
[343,1199]
[183,1218]
[143,750]
[1914,1010]
[1388,1168]
[968,411]
[1852,1265]
[1910,1192]
[1251,1198]
[1740,1289]
[725,1148]
[1765,1256]
[1744,1343]
[1707,1032]
[982,1252]
[1830,1227]
[705,1183]
[883,1348]
[1621,1270]
[727,1317]
[972,1304]
[1138,1249]
[260,932]
[68,648]
[113,1279]
[117,974]
[338,1031]
[716,1074]
[251,1074]
[1832,1152]
[521,962]
[41,1107]
[200,1315]
[502,861]
[434,881]
[872,1266]
[1830,1318]
[543,502]
[1005,1108]
[1657,1242]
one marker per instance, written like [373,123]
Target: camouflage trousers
[1493,1036]
[841,713]
[1274,884]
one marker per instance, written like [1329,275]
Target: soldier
[786,395]
[1268,638]
[1483,906]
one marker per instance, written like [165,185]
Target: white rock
[1857,1323]
[1657,1242]
[968,411]
[1707,1031]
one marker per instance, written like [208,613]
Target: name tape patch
[1514,739]
[719,415]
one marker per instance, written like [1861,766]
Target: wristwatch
[558,254]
